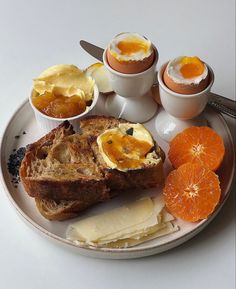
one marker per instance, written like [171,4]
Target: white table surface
[37,34]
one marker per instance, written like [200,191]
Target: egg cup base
[131,109]
[168,127]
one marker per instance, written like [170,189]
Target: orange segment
[197,144]
[192,192]
[191,67]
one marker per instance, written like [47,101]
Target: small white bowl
[47,123]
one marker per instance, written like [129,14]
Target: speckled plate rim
[111,253]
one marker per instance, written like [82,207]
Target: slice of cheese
[166,217]
[138,229]
[168,229]
[125,226]
[133,235]
[96,227]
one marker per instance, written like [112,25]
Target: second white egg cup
[180,110]
[133,98]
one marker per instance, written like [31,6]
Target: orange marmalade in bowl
[62,91]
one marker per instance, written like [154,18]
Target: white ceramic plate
[23,120]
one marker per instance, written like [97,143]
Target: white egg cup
[180,110]
[133,98]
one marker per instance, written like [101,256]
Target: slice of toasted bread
[61,166]
[95,124]
[61,210]
[66,173]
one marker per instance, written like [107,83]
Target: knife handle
[222,104]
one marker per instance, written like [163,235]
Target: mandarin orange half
[197,144]
[192,192]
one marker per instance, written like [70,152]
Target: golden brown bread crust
[96,124]
[59,198]
[40,148]
[59,188]
[62,210]
[59,211]
[81,189]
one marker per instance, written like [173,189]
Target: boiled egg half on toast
[129,146]
[186,75]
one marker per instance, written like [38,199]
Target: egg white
[137,56]
[173,71]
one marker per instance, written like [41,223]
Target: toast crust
[60,188]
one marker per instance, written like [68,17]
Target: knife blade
[218,102]
[92,49]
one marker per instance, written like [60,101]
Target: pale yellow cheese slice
[133,235]
[166,217]
[97,227]
[138,229]
[167,229]
[129,225]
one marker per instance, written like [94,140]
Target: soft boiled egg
[130,53]
[186,75]
[128,146]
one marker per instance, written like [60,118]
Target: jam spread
[59,106]
[125,150]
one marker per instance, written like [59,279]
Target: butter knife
[217,102]
[92,49]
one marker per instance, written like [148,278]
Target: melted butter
[124,150]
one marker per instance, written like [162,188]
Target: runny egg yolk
[127,47]
[124,150]
[191,67]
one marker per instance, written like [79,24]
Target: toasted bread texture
[66,174]
[61,166]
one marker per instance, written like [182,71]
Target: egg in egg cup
[131,79]
[182,110]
